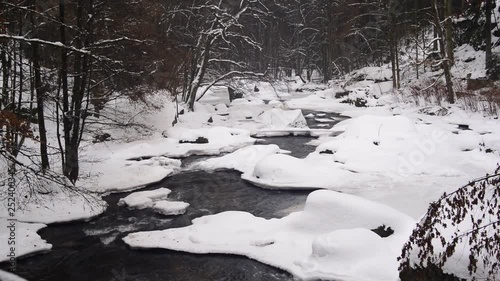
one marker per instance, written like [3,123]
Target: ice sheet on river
[331,238]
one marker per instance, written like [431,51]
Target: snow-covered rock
[243,159]
[330,239]
[221,108]
[279,171]
[170,208]
[144,199]
[280,119]
[275,103]
[155,200]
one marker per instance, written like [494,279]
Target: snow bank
[61,207]
[214,135]
[42,201]
[408,156]
[319,242]
[127,166]
[243,159]
[286,172]
[396,147]
[117,174]
[7,276]
[27,241]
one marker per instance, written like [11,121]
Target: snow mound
[330,239]
[279,119]
[170,208]
[27,240]
[144,199]
[122,174]
[221,108]
[243,159]
[280,171]
[358,245]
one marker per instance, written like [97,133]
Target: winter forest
[346,140]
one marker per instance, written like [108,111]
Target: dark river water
[94,251]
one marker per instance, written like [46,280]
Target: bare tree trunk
[398,70]
[64,77]
[84,17]
[40,96]
[393,45]
[445,60]
[5,76]
[200,74]
[487,34]
[417,65]
[19,139]
[327,70]
[448,12]
[435,43]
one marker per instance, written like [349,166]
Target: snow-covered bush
[428,91]
[486,99]
[460,234]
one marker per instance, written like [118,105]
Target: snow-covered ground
[389,162]
[26,240]
[387,159]
[331,238]
[7,276]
